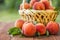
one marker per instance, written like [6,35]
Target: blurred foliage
[1,1]
[56,4]
[14,4]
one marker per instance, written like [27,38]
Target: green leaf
[35,22]
[14,31]
[47,33]
[22,35]
[57,9]
[37,34]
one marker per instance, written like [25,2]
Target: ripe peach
[52,27]
[40,28]
[51,8]
[19,23]
[32,2]
[38,6]
[26,6]
[28,29]
[46,3]
[44,0]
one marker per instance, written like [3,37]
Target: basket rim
[37,10]
[20,11]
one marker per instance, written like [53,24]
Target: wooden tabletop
[4,35]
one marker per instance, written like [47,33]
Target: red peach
[51,8]
[26,6]
[29,29]
[40,28]
[38,6]
[32,2]
[52,27]
[19,23]
[46,3]
[44,0]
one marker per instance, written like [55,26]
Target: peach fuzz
[19,23]
[26,6]
[41,28]
[47,4]
[52,27]
[29,29]
[38,6]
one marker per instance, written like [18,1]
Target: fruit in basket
[38,6]
[44,0]
[41,28]
[19,23]
[26,6]
[47,4]
[32,2]
[51,8]
[28,29]
[52,27]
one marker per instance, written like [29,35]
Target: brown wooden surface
[4,35]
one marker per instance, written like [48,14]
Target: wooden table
[4,35]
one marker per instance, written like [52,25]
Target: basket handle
[23,3]
[50,2]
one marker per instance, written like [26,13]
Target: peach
[26,6]
[47,4]
[29,29]
[41,28]
[19,23]
[39,6]
[51,8]
[52,27]
[44,0]
[32,2]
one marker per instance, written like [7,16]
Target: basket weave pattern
[43,16]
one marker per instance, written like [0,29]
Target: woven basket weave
[39,16]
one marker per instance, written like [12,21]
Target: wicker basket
[39,16]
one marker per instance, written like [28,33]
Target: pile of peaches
[30,29]
[38,5]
